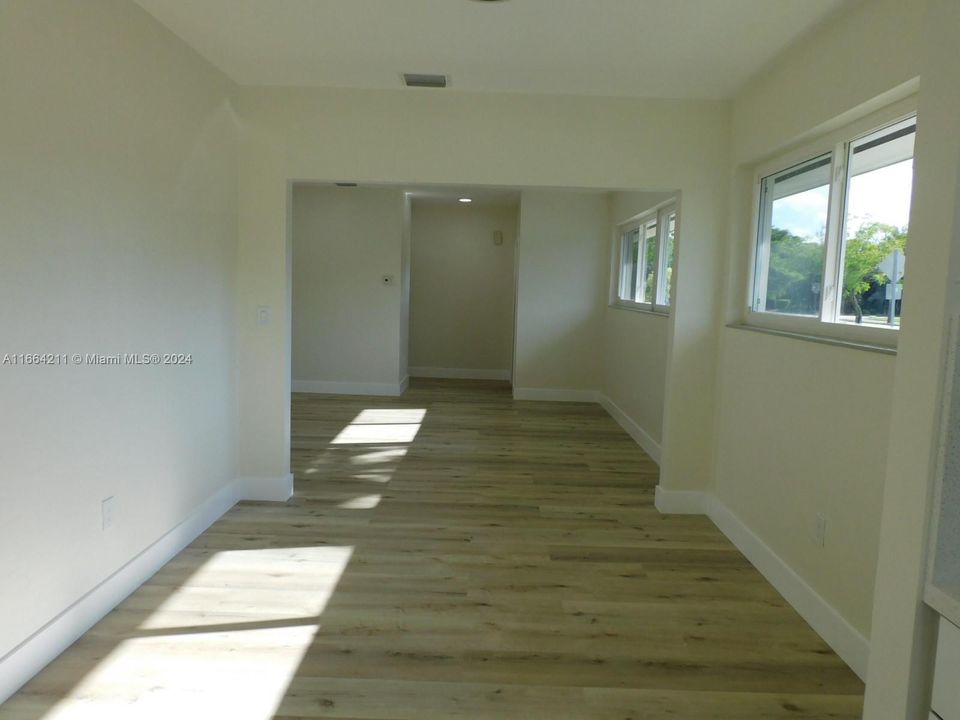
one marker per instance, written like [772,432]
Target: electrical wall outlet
[820,530]
[107,508]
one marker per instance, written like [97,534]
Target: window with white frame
[832,233]
[646,260]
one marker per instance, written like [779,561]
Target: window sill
[850,344]
[644,310]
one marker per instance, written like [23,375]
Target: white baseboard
[404,385]
[681,502]
[275,489]
[852,647]
[650,446]
[556,395]
[34,653]
[460,373]
[325,387]
[639,435]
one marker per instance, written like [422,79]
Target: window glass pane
[792,239]
[649,262]
[629,268]
[671,234]
[875,225]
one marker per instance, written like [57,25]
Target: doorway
[463,283]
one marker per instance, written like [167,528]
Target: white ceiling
[646,48]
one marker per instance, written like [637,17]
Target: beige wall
[462,286]
[118,182]
[635,366]
[802,431]
[405,262]
[635,343]
[481,139]
[802,427]
[561,289]
[858,54]
[346,322]
[898,682]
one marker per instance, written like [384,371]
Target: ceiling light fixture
[466,200]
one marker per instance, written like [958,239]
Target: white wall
[854,57]
[346,322]
[405,263]
[462,286]
[561,290]
[482,139]
[902,641]
[635,343]
[802,427]
[119,235]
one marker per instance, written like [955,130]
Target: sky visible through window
[882,195]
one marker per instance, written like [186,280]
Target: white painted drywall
[346,322]
[483,139]
[119,185]
[561,289]
[462,286]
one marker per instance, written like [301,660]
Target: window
[667,242]
[792,238]
[646,260]
[832,233]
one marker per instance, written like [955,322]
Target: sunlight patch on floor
[216,587]
[364,502]
[382,426]
[382,477]
[395,416]
[214,646]
[376,434]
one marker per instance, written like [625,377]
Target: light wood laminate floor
[452,554]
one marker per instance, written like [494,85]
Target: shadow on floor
[452,554]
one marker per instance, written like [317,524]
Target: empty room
[480,359]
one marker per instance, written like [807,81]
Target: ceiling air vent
[424,81]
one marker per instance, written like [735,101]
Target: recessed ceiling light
[466,200]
